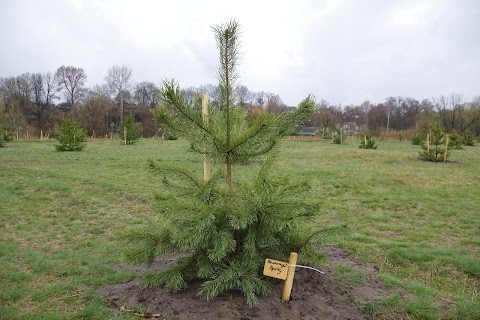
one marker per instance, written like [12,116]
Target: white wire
[306,267]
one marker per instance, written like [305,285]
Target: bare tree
[392,104]
[119,79]
[93,113]
[450,108]
[49,87]
[72,81]
[275,104]
[260,98]
[36,83]
[242,93]
[145,94]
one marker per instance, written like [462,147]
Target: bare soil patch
[314,296]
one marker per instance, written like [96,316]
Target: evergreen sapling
[455,140]
[338,136]
[225,227]
[71,136]
[433,149]
[468,139]
[130,132]
[367,142]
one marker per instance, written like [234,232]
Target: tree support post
[446,148]
[206,156]
[287,289]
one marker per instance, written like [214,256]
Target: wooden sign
[275,269]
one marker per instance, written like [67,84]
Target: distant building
[306,131]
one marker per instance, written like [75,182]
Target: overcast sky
[345,52]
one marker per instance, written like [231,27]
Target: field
[418,222]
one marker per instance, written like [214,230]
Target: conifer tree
[71,136]
[468,139]
[455,140]
[5,137]
[339,136]
[3,142]
[130,132]
[417,139]
[434,146]
[226,226]
[366,141]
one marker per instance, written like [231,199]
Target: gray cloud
[342,51]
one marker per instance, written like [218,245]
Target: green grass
[419,222]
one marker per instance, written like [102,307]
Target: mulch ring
[314,296]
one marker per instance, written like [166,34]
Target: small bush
[338,136]
[434,147]
[417,139]
[130,132]
[5,137]
[366,141]
[2,141]
[71,136]
[454,140]
[326,134]
[468,139]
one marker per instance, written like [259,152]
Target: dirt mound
[314,296]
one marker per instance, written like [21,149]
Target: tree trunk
[121,107]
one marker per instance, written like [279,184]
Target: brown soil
[314,296]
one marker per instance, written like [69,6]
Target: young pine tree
[338,136]
[468,139]
[434,146]
[226,226]
[71,136]
[130,132]
[366,141]
[5,137]
[455,141]
[3,142]
[417,139]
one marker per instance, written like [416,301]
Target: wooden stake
[287,289]
[365,141]
[41,135]
[446,148]
[428,142]
[125,135]
[17,135]
[206,156]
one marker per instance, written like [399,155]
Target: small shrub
[5,137]
[130,131]
[454,140]
[366,141]
[71,136]
[2,141]
[327,134]
[468,139]
[417,139]
[434,146]
[338,136]
[400,137]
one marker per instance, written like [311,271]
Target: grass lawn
[418,222]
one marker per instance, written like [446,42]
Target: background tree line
[37,102]
[400,113]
